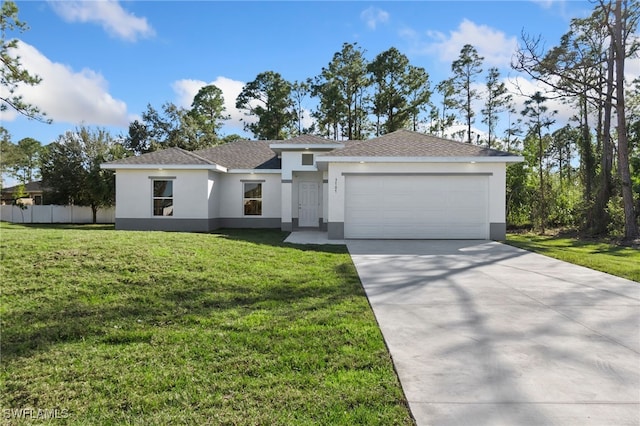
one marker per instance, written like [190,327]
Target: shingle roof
[173,156]
[34,186]
[245,154]
[242,154]
[405,143]
[308,140]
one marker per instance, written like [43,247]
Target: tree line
[584,173]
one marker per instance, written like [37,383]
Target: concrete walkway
[482,333]
[311,237]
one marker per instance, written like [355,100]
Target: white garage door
[417,206]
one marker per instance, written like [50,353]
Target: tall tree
[7,154]
[268,98]
[497,101]
[26,160]
[562,148]
[340,88]
[208,114]
[299,91]
[138,140]
[465,70]
[443,118]
[588,66]
[71,169]
[419,93]
[624,25]
[389,73]
[12,73]
[171,126]
[539,118]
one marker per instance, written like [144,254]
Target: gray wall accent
[214,223]
[254,222]
[163,224]
[335,230]
[286,226]
[194,225]
[498,231]
[253,180]
[162,177]
[417,174]
[286,181]
[322,226]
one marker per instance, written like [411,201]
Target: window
[252,199]
[307,159]
[162,198]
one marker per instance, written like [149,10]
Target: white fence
[56,214]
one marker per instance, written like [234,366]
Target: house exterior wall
[134,200]
[336,188]
[231,201]
[204,200]
[293,172]
[214,188]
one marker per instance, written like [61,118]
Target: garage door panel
[416,207]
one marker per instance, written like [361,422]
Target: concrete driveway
[482,333]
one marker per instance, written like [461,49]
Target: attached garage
[417,206]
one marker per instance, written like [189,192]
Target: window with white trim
[252,197]
[163,198]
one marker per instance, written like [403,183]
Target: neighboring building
[34,191]
[403,185]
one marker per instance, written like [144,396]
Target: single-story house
[33,190]
[403,185]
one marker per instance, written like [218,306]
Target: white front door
[308,204]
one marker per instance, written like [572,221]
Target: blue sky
[102,62]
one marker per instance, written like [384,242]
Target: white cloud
[67,95]
[546,4]
[374,16]
[522,89]
[494,45]
[109,14]
[187,89]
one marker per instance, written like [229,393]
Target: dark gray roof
[168,156]
[240,154]
[35,186]
[243,154]
[308,140]
[405,143]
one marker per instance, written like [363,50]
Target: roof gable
[242,154]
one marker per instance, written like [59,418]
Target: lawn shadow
[172,297]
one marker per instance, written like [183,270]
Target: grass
[236,328]
[616,260]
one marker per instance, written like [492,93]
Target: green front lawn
[115,327]
[616,260]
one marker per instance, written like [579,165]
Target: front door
[308,204]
